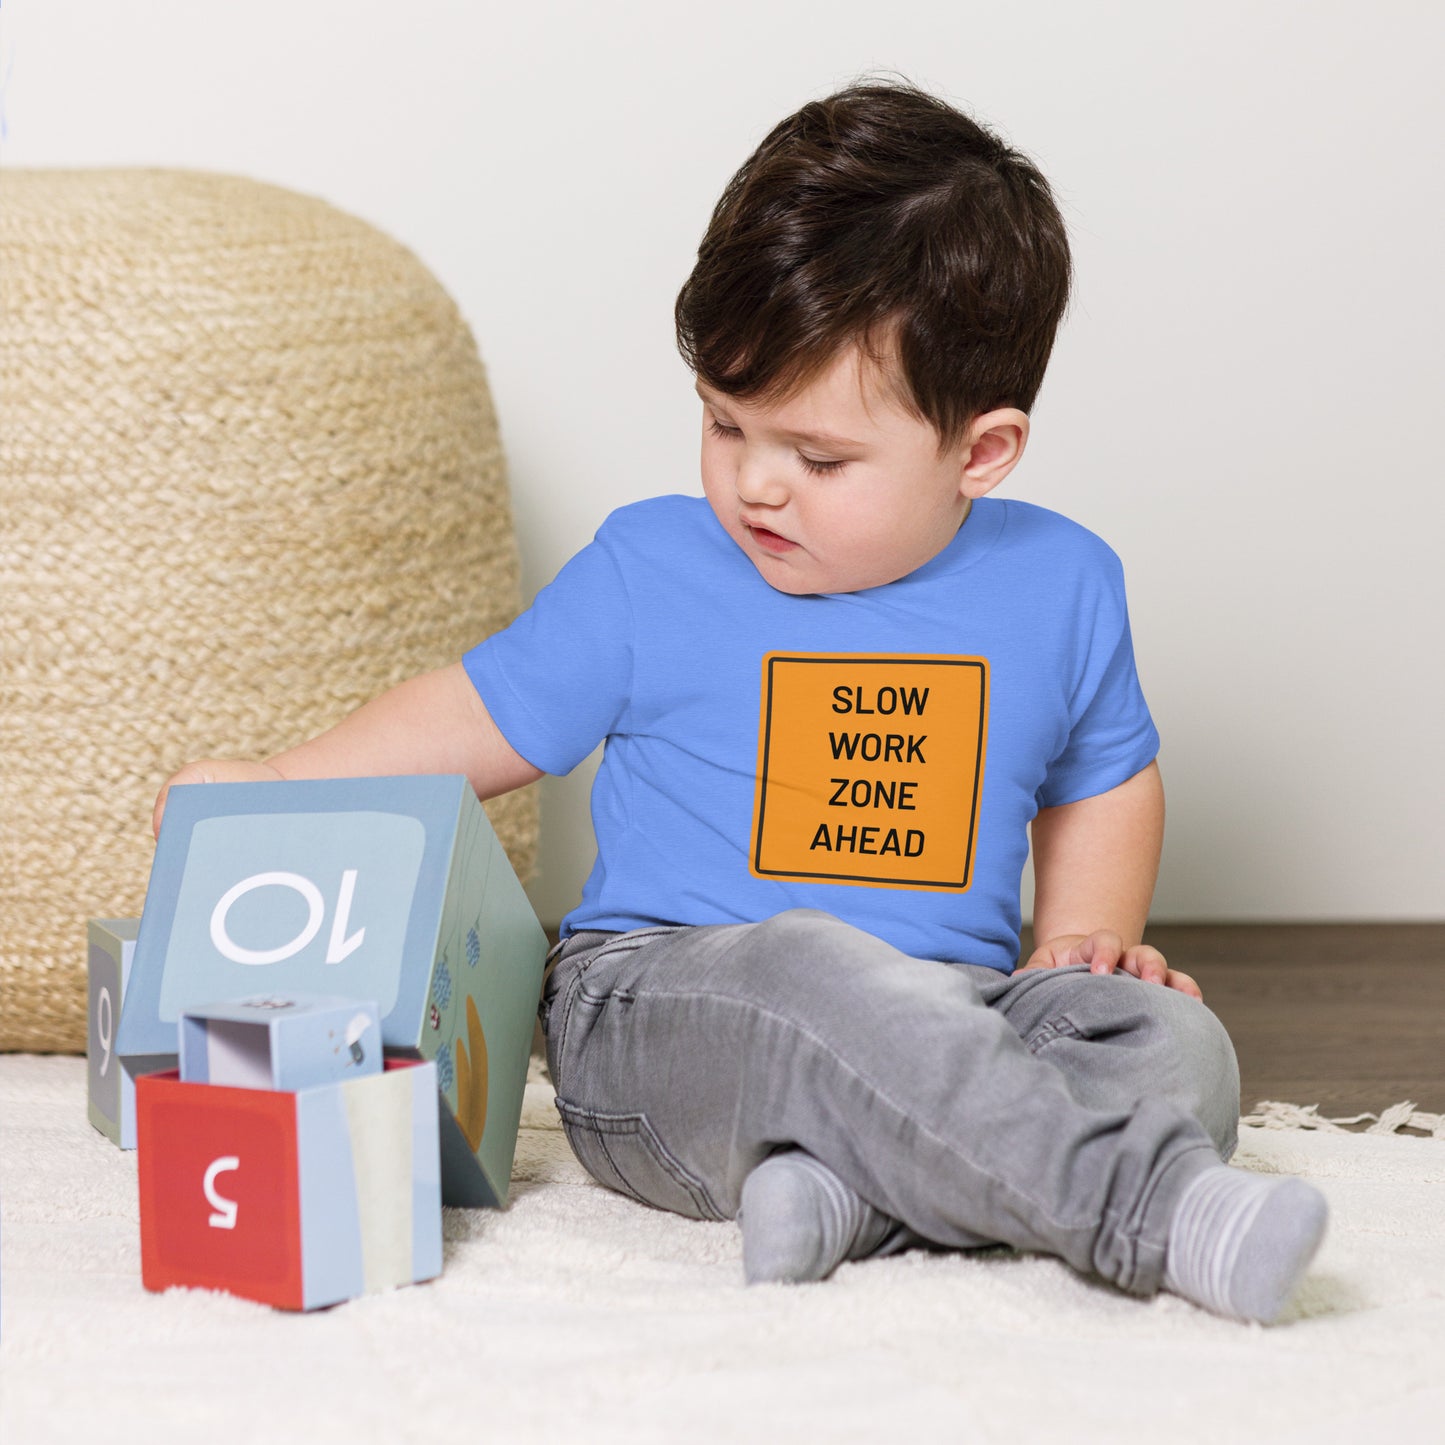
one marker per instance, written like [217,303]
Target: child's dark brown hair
[884,217]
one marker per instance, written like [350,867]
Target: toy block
[298,1200]
[111,1079]
[283,1043]
[391,889]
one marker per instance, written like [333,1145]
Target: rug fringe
[1271,1114]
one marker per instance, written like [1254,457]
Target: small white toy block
[111,1079]
[287,1043]
[299,1200]
[392,889]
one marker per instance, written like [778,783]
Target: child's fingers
[1101,950]
[1057,953]
[1147,964]
[158,812]
[210,770]
[1185,984]
[1104,951]
[191,773]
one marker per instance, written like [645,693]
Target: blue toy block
[390,889]
[285,1043]
[111,1079]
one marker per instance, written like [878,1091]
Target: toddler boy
[836,693]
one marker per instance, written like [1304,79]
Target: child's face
[838,488]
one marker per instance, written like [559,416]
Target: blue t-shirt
[876,754]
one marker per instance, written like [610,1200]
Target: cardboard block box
[295,1199]
[391,889]
[111,1079]
[287,1043]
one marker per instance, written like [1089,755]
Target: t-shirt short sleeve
[557,681]
[1111,734]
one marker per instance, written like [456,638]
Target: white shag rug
[577,1315]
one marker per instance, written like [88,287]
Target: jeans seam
[621,943]
[601,1123]
[1058,1027]
[628,942]
[621,1177]
[1134,1235]
[623,1187]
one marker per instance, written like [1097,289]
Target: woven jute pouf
[250,476]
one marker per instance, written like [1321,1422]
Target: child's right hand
[213,770]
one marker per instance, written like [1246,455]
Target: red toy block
[297,1199]
[205,1219]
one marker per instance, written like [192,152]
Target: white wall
[1243,400]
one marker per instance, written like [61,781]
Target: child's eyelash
[719,430]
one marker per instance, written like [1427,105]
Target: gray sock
[800,1221]
[1239,1243]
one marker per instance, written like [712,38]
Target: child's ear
[991,450]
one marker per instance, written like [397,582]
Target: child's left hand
[1104,952]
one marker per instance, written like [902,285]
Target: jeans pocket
[624,1152]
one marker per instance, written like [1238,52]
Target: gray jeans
[1052,1110]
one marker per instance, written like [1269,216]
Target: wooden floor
[1347,1016]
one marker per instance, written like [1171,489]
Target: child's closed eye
[728,433]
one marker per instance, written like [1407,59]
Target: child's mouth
[769,541]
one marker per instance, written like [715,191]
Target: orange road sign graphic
[870,768]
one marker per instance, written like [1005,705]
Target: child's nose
[760,484]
